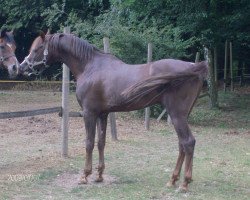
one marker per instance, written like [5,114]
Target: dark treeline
[177,28]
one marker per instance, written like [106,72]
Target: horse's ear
[3,33]
[11,33]
[42,35]
[48,32]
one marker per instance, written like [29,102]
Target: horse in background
[8,59]
[106,84]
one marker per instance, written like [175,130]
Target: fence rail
[28,113]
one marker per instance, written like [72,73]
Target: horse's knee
[89,146]
[101,145]
[188,145]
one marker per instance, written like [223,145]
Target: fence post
[112,114]
[231,66]
[242,74]
[147,110]
[65,106]
[197,57]
[225,66]
[215,66]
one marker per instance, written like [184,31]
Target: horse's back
[164,66]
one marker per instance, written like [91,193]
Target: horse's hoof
[170,184]
[183,189]
[83,180]
[99,179]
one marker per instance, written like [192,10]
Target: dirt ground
[31,144]
[30,151]
[40,135]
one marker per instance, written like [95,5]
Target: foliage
[54,14]
[177,29]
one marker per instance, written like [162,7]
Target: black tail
[173,80]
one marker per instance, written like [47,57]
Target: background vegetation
[177,28]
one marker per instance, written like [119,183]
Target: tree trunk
[211,80]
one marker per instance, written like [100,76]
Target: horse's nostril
[14,68]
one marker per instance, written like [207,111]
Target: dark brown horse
[106,84]
[7,53]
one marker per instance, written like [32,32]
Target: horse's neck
[74,64]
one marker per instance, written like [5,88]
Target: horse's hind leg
[186,145]
[101,129]
[189,152]
[179,102]
[90,126]
[176,174]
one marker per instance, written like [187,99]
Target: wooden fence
[28,113]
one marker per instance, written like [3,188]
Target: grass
[142,162]
[233,112]
[142,169]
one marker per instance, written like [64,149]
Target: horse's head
[7,53]
[36,61]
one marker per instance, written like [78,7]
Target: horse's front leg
[101,129]
[90,126]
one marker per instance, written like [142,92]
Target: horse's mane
[78,47]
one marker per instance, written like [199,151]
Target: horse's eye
[2,47]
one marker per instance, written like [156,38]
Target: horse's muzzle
[24,68]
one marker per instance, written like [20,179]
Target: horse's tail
[160,83]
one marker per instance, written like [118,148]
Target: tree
[177,28]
